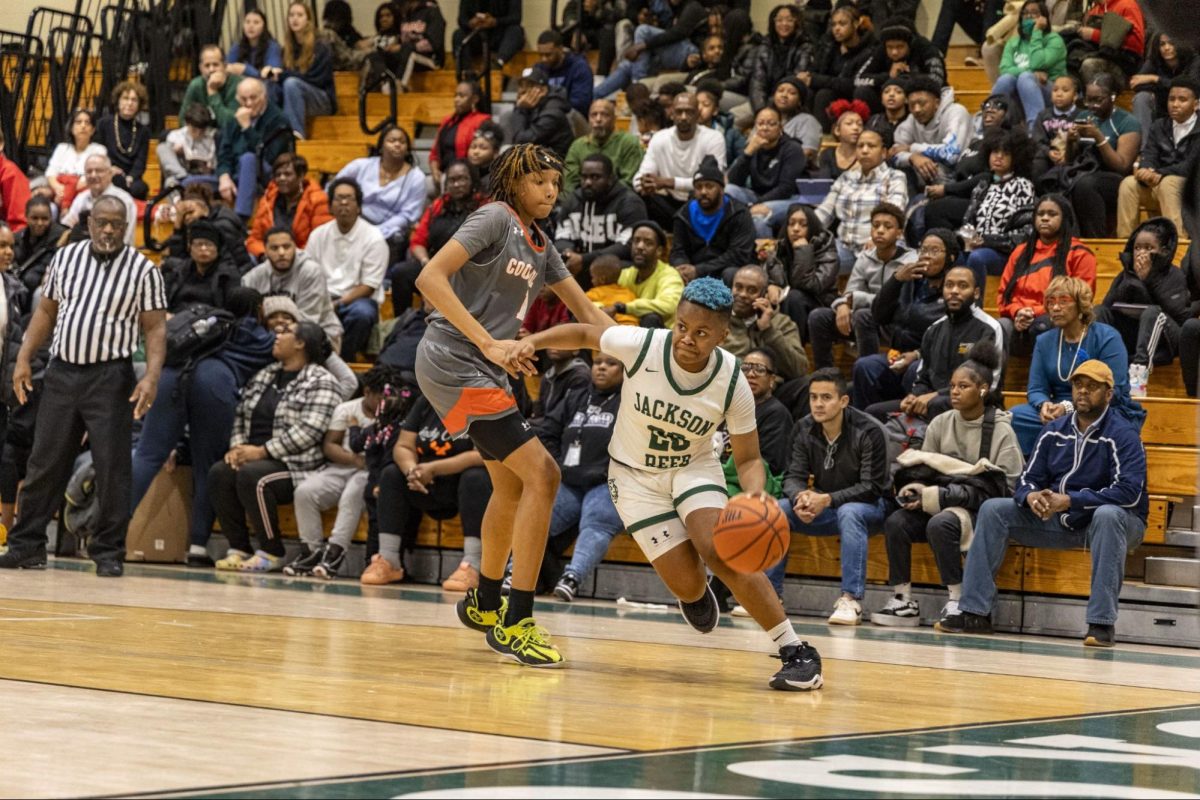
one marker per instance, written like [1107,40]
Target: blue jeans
[1027,424]
[1113,532]
[247,185]
[302,100]
[846,257]
[876,382]
[206,411]
[1033,94]
[985,261]
[664,59]
[855,523]
[763,228]
[593,511]
[358,320]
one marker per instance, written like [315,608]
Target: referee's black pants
[92,398]
[256,490]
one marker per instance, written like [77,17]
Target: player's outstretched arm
[569,336]
[748,461]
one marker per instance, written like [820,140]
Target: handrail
[485,104]
[382,78]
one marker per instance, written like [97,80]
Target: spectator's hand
[1056,155]
[574,261]
[1042,24]
[906,405]
[687,272]
[920,404]
[227,188]
[804,77]
[1087,130]
[424,46]
[1047,503]
[531,96]
[235,69]
[420,477]
[216,81]
[1142,261]
[693,60]
[1059,502]
[899,68]
[935,191]
[243,116]
[650,184]
[817,502]
[911,271]
[774,292]
[489,21]
[172,462]
[22,379]
[842,319]
[896,149]
[611,311]
[753,144]
[925,166]
[1154,179]
[633,52]
[904,361]
[1086,33]
[81,184]
[143,396]
[1142,80]
[913,505]
[1041,74]
[800,506]
[765,310]
[1051,411]
[761,210]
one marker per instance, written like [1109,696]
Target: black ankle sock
[520,606]
[489,593]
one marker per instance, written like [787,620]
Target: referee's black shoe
[31,559]
[110,568]
[704,614]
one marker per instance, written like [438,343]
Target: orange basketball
[751,535]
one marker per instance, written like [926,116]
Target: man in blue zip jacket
[1084,486]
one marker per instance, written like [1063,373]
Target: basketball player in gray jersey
[481,284]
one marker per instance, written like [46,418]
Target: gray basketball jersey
[504,273]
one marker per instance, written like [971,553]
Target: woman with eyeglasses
[1104,144]
[1074,338]
[764,174]
[1032,60]
[1051,250]
[205,276]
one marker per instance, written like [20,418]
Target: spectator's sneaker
[801,671]
[1099,636]
[232,560]
[567,587]
[1139,374]
[704,614]
[13,559]
[463,578]
[739,611]
[305,562]
[262,562]
[964,622]
[331,561]
[898,613]
[506,584]
[846,611]
[526,643]
[475,618]
[200,560]
[380,572]
[949,610]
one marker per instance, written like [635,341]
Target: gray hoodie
[943,139]
[305,283]
[869,273]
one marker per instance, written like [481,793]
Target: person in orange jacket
[289,194]
[1052,249]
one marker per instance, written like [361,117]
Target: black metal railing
[24,92]
[376,80]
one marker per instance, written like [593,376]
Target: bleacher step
[1178,537]
[1172,571]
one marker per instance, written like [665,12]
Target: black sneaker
[704,614]
[331,559]
[200,561]
[567,587]
[305,563]
[14,559]
[110,568]
[801,671]
[1099,636]
[964,622]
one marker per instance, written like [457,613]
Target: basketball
[751,535]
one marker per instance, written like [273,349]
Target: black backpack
[197,331]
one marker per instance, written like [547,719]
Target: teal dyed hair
[709,293]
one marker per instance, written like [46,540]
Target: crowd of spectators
[823,168]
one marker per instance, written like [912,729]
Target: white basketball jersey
[668,416]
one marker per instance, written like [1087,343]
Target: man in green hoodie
[213,87]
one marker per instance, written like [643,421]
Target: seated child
[190,151]
[605,291]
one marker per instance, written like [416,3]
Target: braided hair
[1066,233]
[517,162]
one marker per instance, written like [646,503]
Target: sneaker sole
[846,622]
[937,626]
[892,621]
[1092,641]
[796,686]
[564,595]
[716,619]
[320,573]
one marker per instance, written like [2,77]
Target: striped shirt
[99,304]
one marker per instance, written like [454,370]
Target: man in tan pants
[1172,146]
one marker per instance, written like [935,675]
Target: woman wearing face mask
[1032,60]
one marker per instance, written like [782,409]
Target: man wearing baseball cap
[1084,486]
[541,113]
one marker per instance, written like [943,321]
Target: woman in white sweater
[65,170]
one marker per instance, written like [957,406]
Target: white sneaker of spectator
[900,612]
[846,611]
[950,609]
[739,611]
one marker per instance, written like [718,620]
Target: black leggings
[256,490]
[1094,198]
[466,494]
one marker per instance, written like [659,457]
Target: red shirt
[542,315]
[14,194]
[1135,40]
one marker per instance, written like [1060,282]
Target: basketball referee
[95,295]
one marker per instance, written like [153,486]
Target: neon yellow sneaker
[526,643]
[475,618]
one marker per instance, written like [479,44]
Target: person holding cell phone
[1112,138]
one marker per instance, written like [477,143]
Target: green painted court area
[1146,754]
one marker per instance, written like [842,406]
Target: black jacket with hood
[732,244]
[546,123]
[602,226]
[810,268]
[946,343]
[835,70]
[777,59]
[1165,286]
[586,416]
[1161,154]
[910,307]
[923,59]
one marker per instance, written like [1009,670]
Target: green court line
[865,633]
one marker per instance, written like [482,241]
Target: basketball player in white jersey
[665,479]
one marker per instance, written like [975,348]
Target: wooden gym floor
[172,681]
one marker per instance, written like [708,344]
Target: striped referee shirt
[99,302]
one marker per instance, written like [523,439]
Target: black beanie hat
[654,226]
[709,170]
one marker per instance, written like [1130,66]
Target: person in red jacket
[1091,53]
[14,192]
[453,137]
[290,200]
[1051,250]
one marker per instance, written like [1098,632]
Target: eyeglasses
[931,252]
[206,243]
[101,224]
[757,369]
[1059,301]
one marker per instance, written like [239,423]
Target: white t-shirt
[350,414]
[66,160]
[668,416]
[202,149]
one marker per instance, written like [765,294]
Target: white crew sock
[472,550]
[783,634]
[955,592]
